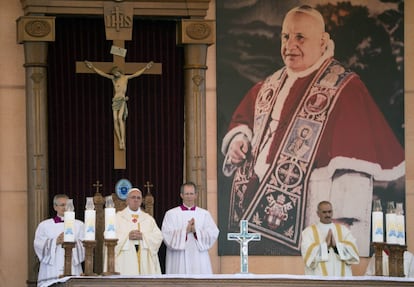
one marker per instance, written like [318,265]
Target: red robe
[356,128]
[355,137]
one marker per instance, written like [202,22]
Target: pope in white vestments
[48,245]
[328,249]
[139,239]
[189,232]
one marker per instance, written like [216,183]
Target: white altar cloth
[242,276]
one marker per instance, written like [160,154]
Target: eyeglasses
[135,197]
[61,205]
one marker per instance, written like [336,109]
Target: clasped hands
[330,240]
[191,226]
[135,235]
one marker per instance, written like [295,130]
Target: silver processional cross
[244,237]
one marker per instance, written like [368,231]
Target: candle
[90,216]
[377,222]
[69,224]
[391,223]
[400,224]
[377,226]
[110,225]
[90,219]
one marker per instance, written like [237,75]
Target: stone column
[34,33]
[195,36]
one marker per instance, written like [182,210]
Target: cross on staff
[97,185]
[149,199]
[116,13]
[148,185]
[244,237]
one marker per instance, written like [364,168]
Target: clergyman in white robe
[52,255]
[187,253]
[133,257]
[324,261]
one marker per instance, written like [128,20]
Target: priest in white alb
[48,245]
[139,239]
[328,249]
[189,232]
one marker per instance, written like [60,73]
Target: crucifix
[118,28]
[148,185]
[244,237]
[97,185]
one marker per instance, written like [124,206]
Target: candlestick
[69,225]
[110,249]
[89,247]
[67,265]
[110,225]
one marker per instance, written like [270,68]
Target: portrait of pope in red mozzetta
[310,108]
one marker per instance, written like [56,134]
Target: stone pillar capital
[35,29]
[196,31]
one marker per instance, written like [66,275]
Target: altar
[230,280]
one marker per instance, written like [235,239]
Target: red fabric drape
[80,126]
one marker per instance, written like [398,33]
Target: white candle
[377,226]
[400,224]
[400,221]
[90,217]
[110,229]
[69,226]
[391,224]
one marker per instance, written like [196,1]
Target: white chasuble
[324,261]
[127,260]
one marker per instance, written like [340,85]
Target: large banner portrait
[310,107]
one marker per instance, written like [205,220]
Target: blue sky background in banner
[369,39]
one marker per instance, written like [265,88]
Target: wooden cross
[118,25]
[97,185]
[244,237]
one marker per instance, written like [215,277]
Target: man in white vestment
[408,265]
[328,249]
[139,239]
[48,244]
[189,232]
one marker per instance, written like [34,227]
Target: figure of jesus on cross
[244,237]
[119,105]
